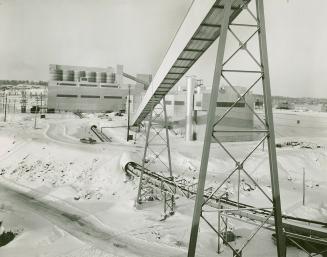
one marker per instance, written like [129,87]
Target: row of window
[219,104]
[89,96]
[86,85]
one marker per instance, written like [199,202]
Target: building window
[88,85]
[71,96]
[168,102]
[179,102]
[113,97]
[198,104]
[114,86]
[67,84]
[90,96]
[229,104]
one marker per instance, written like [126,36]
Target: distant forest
[295,100]
[17,82]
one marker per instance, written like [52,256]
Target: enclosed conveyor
[299,229]
[100,134]
[200,28]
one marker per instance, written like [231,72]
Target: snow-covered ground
[66,198]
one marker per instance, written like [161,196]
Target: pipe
[126,75]
[189,109]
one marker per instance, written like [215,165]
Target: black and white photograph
[163,128]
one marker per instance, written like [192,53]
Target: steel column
[128,112]
[209,130]
[172,197]
[218,228]
[138,199]
[280,237]
[5,118]
[167,137]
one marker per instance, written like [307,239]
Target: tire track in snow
[88,229]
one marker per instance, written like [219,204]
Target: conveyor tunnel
[100,135]
[310,234]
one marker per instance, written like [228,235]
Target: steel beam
[209,130]
[167,137]
[280,237]
[138,199]
[210,25]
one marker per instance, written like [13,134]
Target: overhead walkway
[200,28]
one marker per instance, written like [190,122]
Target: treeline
[295,100]
[17,82]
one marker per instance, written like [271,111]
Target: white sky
[137,33]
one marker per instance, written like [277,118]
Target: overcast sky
[137,33]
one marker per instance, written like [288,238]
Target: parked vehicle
[88,140]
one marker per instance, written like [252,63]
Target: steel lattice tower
[223,73]
[156,147]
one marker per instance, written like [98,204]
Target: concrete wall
[86,99]
[88,89]
[239,118]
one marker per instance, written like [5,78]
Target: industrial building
[324,107]
[187,107]
[90,89]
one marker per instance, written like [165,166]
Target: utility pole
[35,114]
[41,104]
[128,110]
[5,119]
